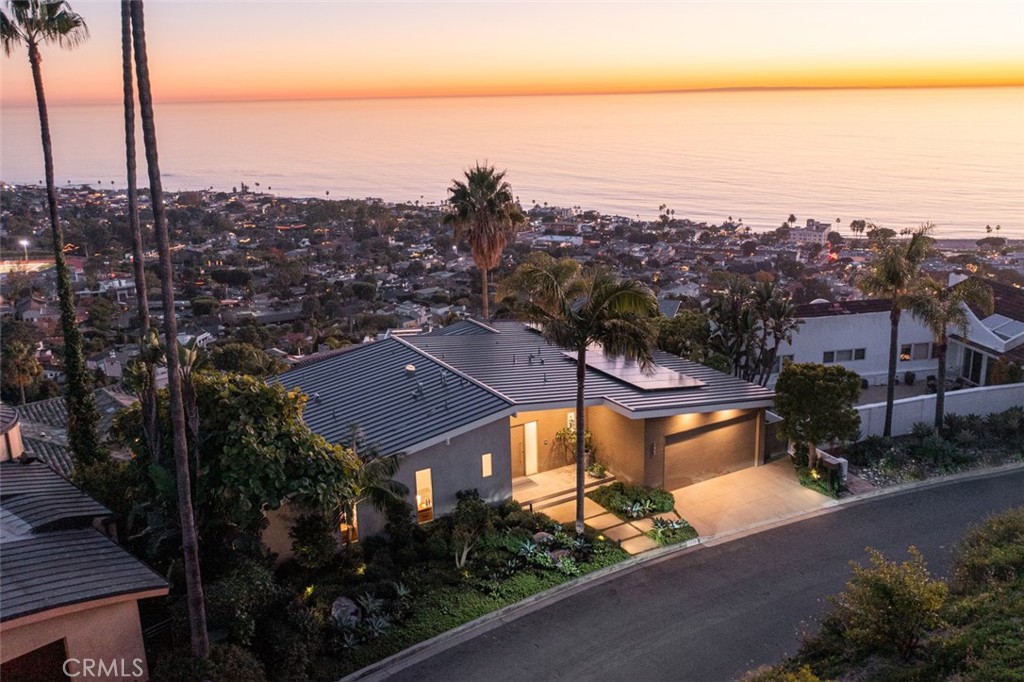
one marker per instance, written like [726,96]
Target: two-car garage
[712,449]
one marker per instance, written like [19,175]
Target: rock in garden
[344,610]
[558,554]
[542,538]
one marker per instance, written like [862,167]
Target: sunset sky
[223,50]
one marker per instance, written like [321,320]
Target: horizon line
[595,93]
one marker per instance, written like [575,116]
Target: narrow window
[485,462]
[828,356]
[424,496]
[905,352]
[858,354]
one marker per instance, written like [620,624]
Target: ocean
[953,157]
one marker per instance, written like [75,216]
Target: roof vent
[410,370]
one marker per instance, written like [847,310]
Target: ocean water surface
[954,157]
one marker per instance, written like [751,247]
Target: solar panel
[656,378]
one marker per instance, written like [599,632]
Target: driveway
[712,613]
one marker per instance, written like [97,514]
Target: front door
[524,449]
[518,451]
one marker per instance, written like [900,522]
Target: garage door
[700,454]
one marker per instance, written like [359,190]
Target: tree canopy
[816,403]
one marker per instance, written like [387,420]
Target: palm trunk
[150,422]
[486,307]
[82,412]
[890,389]
[22,387]
[940,387]
[189,537]
[581,465]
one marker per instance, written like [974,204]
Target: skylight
[657,378]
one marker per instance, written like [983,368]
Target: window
[485,463]
[828,357]
[971,369]
[844,355]
[858,354]
[424,496]
[780,362]
[915,351]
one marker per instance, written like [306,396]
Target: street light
[24,246]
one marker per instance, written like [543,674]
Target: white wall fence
[908,411]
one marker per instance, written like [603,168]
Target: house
[854,334]
[813,233]
[475,405]
[70,592]
[992,341]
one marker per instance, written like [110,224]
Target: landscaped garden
[635,502]
[965,442]
[329,612]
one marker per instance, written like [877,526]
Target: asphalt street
[711,613]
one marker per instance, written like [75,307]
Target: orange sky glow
[231,50]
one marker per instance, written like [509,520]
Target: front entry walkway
[725,504]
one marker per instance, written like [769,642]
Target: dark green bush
[779,674]
[991,554]
[287,639]
[940,452]
[313,541]
[227,663]
[868,451]
[236,601]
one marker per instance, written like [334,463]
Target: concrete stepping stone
[640,543]
[621,532]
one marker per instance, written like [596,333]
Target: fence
[906,412]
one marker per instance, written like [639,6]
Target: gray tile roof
[62,568]
[370,387]
[55,455]
[518,363]
[54,412]
[44,500]
[50,553]
[464,328]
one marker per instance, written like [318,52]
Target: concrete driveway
[747,498]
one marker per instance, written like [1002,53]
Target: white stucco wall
[906,412]
[869,331]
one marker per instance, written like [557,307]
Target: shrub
[940,452]
[287,640]
[779,674]
[869,451]
[227,663]
[633,501]
[313,541]
[236,601]
[671,531]
[991,554]
[887,607]
[921,430]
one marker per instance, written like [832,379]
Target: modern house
[476,405]
[855,334]
[994,341]
[70,593]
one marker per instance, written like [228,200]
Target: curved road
[717,611]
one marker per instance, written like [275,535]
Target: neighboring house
[855,334]
[997,337]
[70,592]
[475,406]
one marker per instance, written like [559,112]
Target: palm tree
[372,480]
[483,212]
[189,537]
[577,309]
[940,308]
[33,23]
[147,396]
[20,366]
[893,274]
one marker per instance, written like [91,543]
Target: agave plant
[371,605]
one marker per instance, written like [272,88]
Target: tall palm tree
[484,212]
[147,396]
[20,366]
[189,537]
[893,274]
[33,23]
[941,308]
[576,309]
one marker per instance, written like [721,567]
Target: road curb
[427,648]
